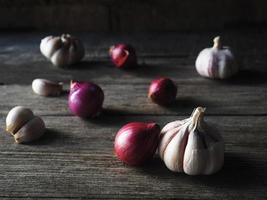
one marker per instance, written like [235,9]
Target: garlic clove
[17,117]
[172,125]
[194,161]
[195,155]
[45,51]
[168,136]
[76,52]
[31,131]
[215,158]
[205,64]
[49,45]
[174,152]
[46,87]
[229,64]
[60,58]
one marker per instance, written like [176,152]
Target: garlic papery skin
[32,130]
[17,117]
[62,50]
[192,146]
[46,87]
[217,62]
[24,125]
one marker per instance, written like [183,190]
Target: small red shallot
[85,99]
[136,142]
[123,56]
[162,91]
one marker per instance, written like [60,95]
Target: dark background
[132,15]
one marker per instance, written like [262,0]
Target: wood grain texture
[131,99]
[75,159]
[173,56]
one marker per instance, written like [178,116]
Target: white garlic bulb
[192,146]
[62,51]
[217,62]
[24,125]
[46,87]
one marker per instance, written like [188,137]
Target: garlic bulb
[24,125]
[192,146]
[217,62]
[46,87]
[62,51]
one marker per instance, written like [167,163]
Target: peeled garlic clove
[217,62]
[192,146]
[46,87]
[31,131]
[16,118]
[62,51]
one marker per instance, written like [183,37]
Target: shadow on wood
[89,65]
[148,71]
[237,173]
[50,136]
[186,104]
[248,77]
[109,117]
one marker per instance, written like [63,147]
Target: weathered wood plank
[69,131]
[77,161]
[174,56]
[128,99]
[75,157]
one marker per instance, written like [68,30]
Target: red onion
[85,99]
[137,142]
[123,56]
[162,91]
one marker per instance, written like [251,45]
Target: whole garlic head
[192,146]
[217,62]
[24,125]
[62,51]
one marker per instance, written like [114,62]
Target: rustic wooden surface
[75,158]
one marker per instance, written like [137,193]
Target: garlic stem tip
[111,49]
[201,109]
[217,42]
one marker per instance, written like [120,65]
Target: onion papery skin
[136,142]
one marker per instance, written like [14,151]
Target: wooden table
[75,157]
